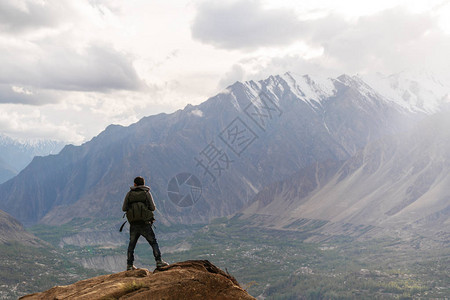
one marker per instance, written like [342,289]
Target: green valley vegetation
[281,264]
[26,269]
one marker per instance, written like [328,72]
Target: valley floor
[274,264]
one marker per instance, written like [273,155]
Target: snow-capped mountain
[17,154]
[415,91]
[420,92]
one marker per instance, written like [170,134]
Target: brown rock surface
[195,279]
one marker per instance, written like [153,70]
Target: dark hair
[139,180]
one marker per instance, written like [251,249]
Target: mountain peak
[194,279]
[415,91]
[310,87]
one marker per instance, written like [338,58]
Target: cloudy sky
[69,68]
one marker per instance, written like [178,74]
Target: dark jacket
[140,193]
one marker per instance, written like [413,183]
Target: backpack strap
[121,227]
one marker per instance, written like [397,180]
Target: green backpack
[138,211]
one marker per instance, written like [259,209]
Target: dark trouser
[146,230]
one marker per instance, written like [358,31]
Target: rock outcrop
[195,279]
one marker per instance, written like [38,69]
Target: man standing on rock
[139,207]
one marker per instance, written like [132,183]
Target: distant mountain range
[16,154]
[210,160]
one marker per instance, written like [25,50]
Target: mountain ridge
[286,131]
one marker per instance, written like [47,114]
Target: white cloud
[96,68]
[23,15]
[51,45]
[197,113]
[89,63]
[10,93]
[244,24]
[237,73]
[29,122]
[77,119]
[389,41]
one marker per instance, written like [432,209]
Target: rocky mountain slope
[11,231]
[399,185]
[234,144]
[184,280]
[28,264]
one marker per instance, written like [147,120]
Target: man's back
[139,205]
[140,193]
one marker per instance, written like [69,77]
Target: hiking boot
[131,267]
[160,263]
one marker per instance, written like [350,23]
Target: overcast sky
[69,68]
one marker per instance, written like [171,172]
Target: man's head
[139,181]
